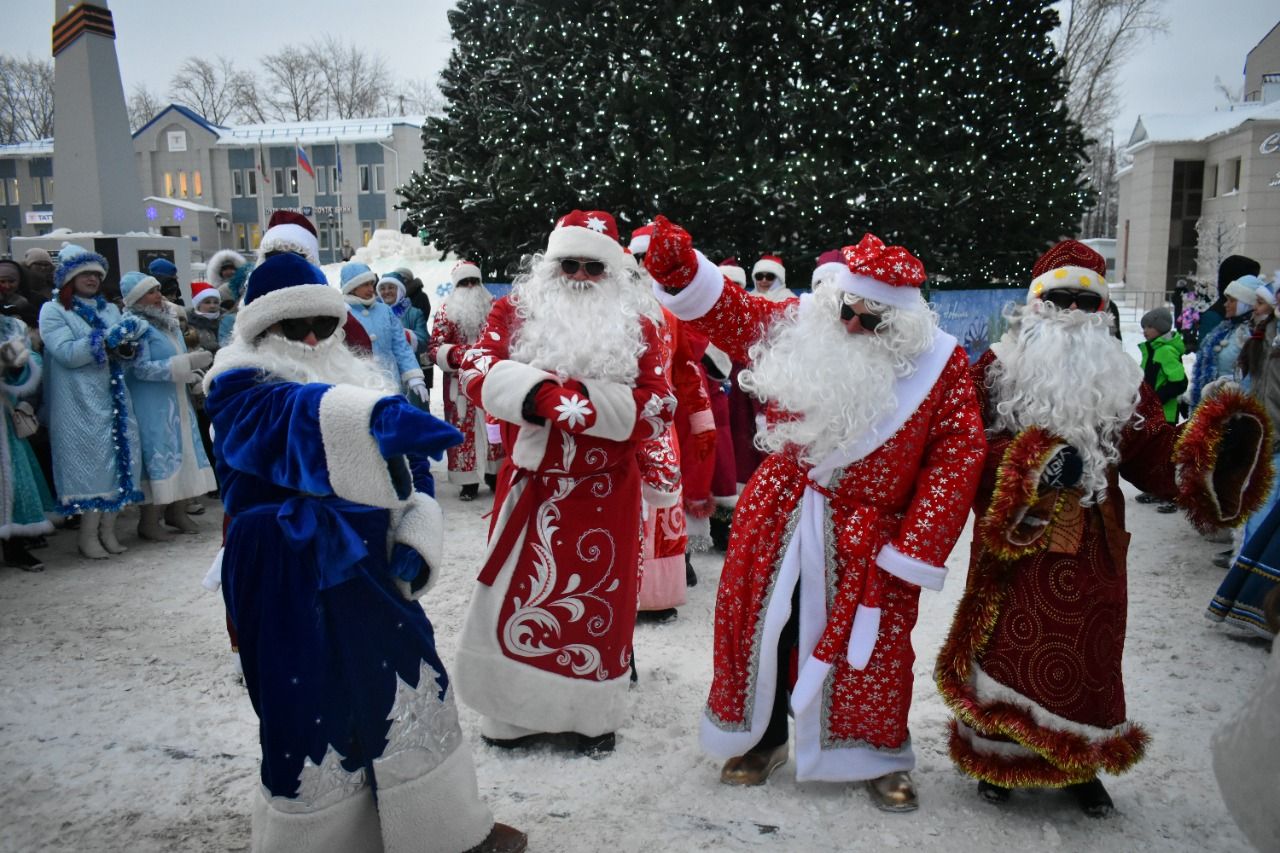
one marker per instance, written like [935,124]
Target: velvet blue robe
[325,635]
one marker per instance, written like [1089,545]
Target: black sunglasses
[569,266]
[765,276]
[295,329]
[468,282]
[1064,299]
[868,321]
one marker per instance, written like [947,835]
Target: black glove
[1064,470]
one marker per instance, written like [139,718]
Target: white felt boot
[175,515]
[107,534]
[149,524]
[87,540]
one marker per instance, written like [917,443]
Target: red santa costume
[876,447]
[572,369]
[1032,666]
[455,328]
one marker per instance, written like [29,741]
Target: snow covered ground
[123,727]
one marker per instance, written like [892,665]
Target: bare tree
[208,87]
[143,105]
[292,83]
[356,83]
[26,99]
[422,97]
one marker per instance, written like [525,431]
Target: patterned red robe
[547,641]
[1032,666]
[861,532]
[446,336]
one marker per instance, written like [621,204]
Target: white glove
[419,389]
[200,359]
[182,367]
[14,353]
[1217,386]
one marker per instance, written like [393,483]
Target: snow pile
[389,249]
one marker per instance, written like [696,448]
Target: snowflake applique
[595,223]
[574,411]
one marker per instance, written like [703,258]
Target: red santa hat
[1070,264]
[586,234]
[202,290]
[640,239]
[289,231]
[773,264]
[887,274]
[829,264]
[464,269]
[733,271]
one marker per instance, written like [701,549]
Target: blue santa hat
[355,274]
[134,286]
[285,287]
[73,260]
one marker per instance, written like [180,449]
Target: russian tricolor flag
[304,163]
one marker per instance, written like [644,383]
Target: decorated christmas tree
[786,127]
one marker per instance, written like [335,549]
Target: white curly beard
[579,329]
[468,308]
[1065,372]
[837,385]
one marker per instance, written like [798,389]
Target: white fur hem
[300,300]
[987,690]
[437,812]
[347,826]
[615,406]
[998,748]
[357,471]
[910,569]
[701,294]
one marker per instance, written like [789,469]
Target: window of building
[237,184]
[242,237]
[277,181]
[4,193]
[379,178]
[251,183]
[334,178]
[37,190]
[182,184]
[13,191]
[321,188]
[1211,182]
[1233,176]
[168,184]
[293,180]
[322,234]
[197,183]
[255,235]
[380,225]
[367,228]
[364,179]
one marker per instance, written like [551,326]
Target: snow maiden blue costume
[327,549]
[25,503]
[390,348]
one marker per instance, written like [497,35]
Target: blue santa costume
[327,550]
[391,349]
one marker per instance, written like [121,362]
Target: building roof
[322,132]
[186,111]
[185,205]
[33,148]
[1197,127]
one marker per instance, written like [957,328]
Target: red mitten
[671,259]
[454,358]
[704,444]
[566,406]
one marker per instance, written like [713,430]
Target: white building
[219,185]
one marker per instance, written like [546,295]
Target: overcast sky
[1169,73]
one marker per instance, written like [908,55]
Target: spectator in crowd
[220,270]
[94,435]
[25,502]
[174,463]
[39,276]
[770,277]
[418,296]
[165,271]
[1231,268]
[1220,348]
[12,301]
[392,291]
[1162,371]
[390,348]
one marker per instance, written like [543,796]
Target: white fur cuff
[659,499]
[442,357]
[505,387]
[421,527]
[357,471]
[910,569]
[701,294]
[615,406]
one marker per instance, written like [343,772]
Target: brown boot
[894,792]
[502,839]
[754,767]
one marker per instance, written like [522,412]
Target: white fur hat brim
[1241,291]
[572,241]
[464,270]
[770,266]
[288,303]
[1072,278]
[896,296]
[640,243]
[735,274]
[141,289]
[288,237]
[355,281]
